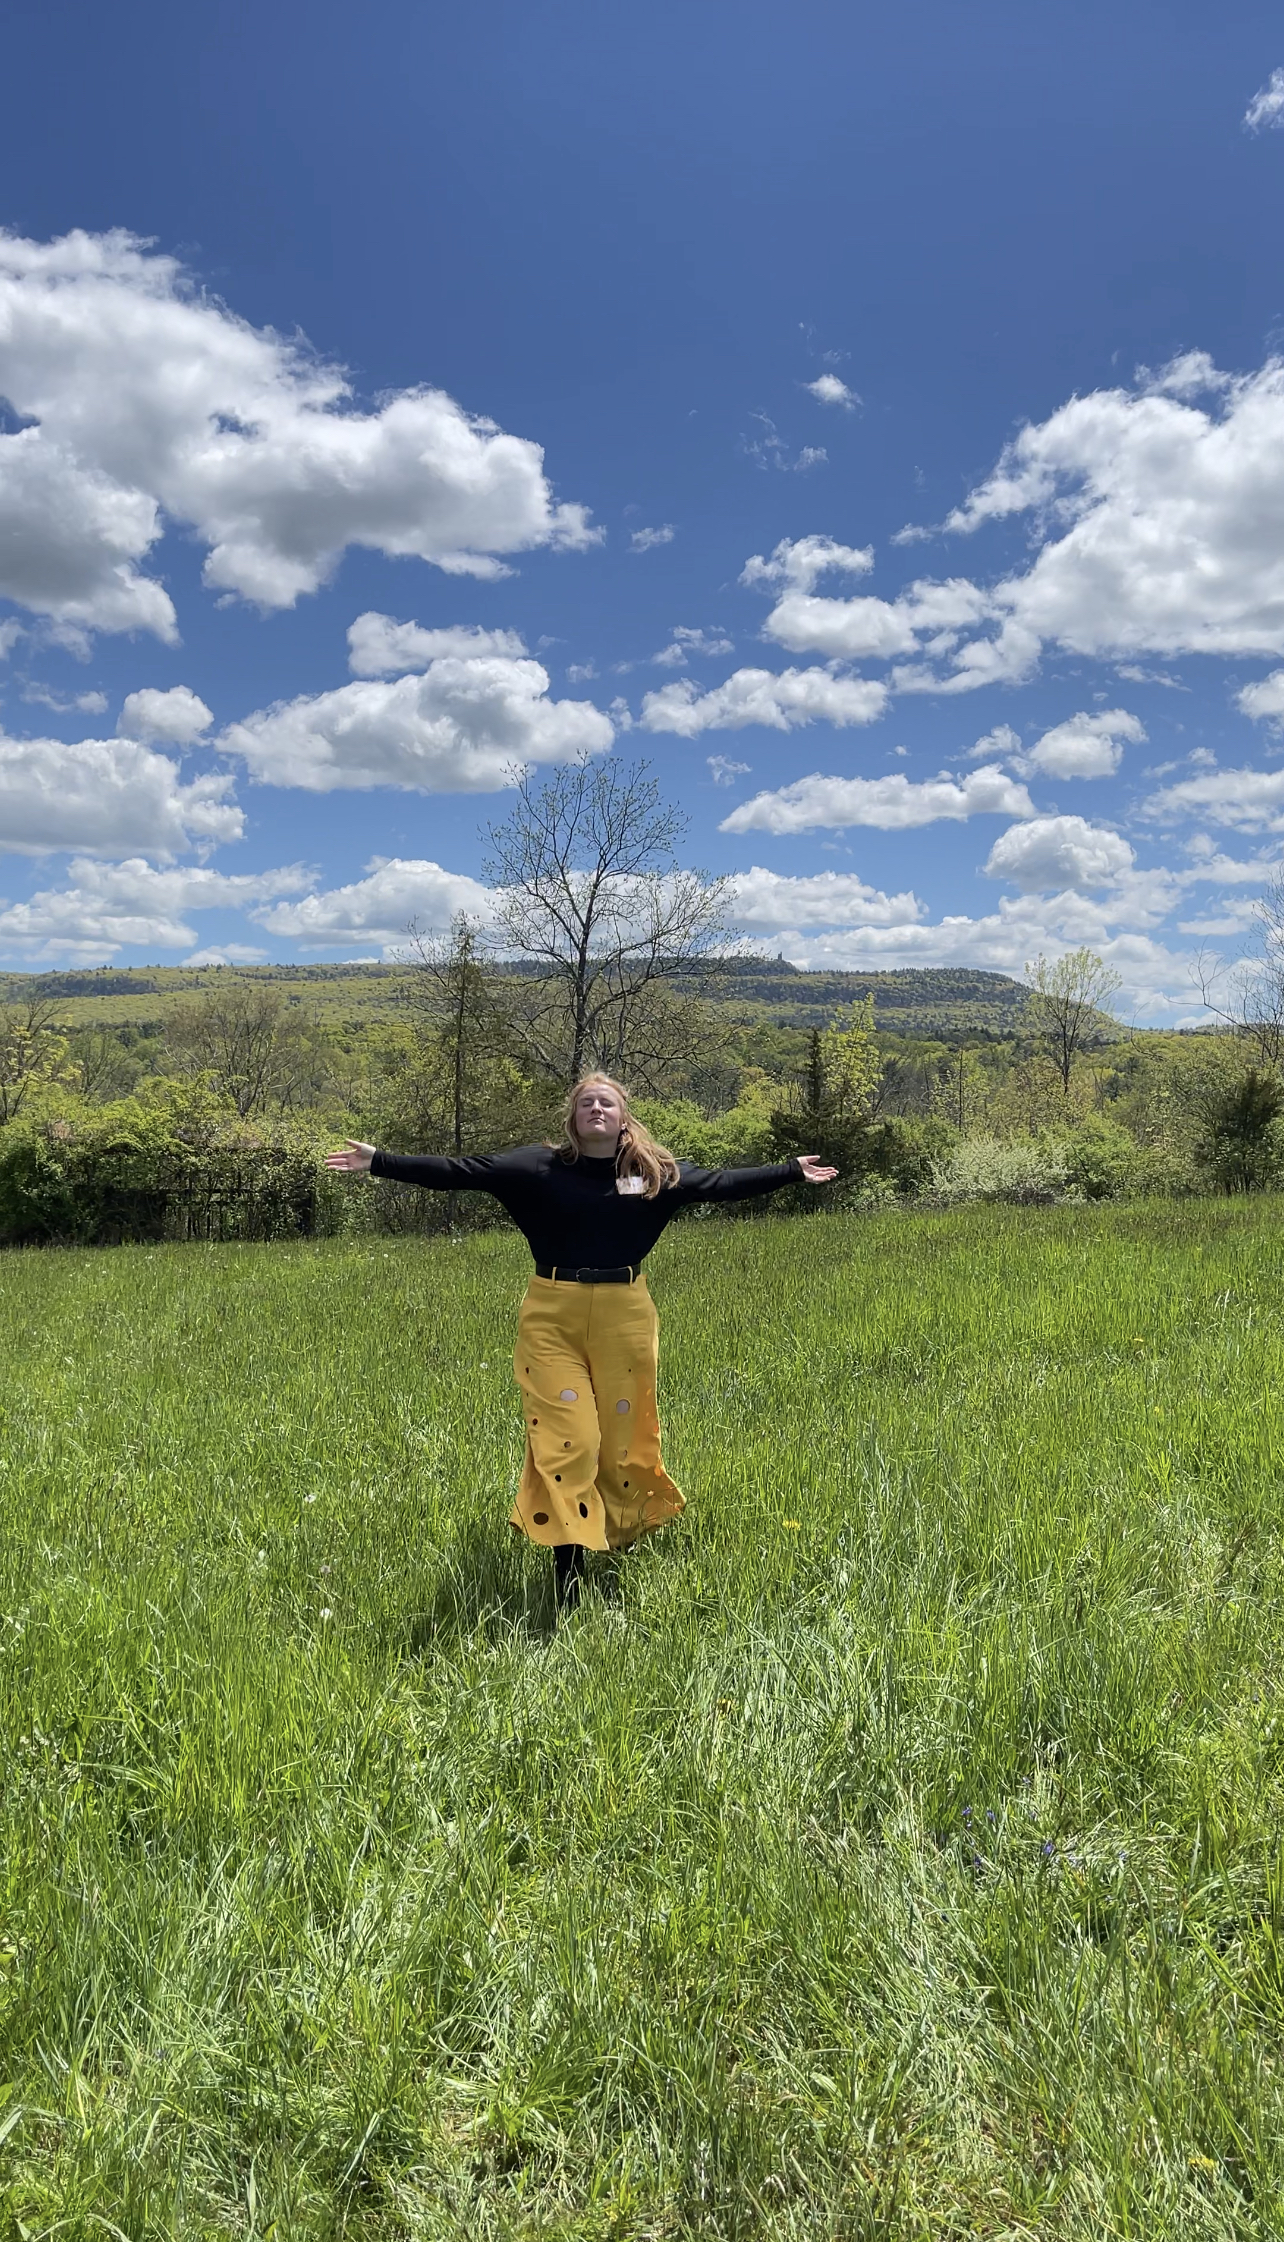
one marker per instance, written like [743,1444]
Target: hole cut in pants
[586,1360]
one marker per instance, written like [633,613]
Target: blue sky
[872,417]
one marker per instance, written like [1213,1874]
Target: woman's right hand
[353,1160]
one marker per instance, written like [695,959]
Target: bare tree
[1069,1001]
[256,1047]
[1250,1000]
[591,896]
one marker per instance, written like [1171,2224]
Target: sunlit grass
[892,1848]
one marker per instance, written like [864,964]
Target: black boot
[568,1572]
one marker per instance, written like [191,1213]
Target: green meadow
[891,1848]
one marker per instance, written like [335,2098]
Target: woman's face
[599,1117]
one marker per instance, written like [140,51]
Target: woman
[590,1209]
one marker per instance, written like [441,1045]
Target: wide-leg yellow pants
[586,1363]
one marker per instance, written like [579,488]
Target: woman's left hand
[812,1170]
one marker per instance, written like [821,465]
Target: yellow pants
[586,1363]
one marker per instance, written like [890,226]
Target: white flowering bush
[1017,1171]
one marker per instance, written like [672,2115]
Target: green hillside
[947,1003]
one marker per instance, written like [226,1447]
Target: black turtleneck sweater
[569,1211]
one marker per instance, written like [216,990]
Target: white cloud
[380,647]
[227,953]
[1159,982]
[768,449]
[891,802]
[84,704]
[1266,109]
[723,771]
[178,715]
[645,540]
[829,390]
[1084,746]
[579,673]
[380,908]
[764,901]
[782,701]
[1264,700]
[10,632]
[110,907]
[1059,852]
[800,562]
[1001,741]
[686,642]
[1252,800]
[145,395]
[109,798]
[461,727]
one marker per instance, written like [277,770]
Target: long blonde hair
[637,1153]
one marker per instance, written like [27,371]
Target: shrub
[1101,1160]
[1020,1172]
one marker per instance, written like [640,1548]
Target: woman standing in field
[590,1209]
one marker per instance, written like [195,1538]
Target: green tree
[1241,1145]
[33,1052]
[260,1053]
[1069,1004]
[850,1061]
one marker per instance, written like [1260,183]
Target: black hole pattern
[541,1518]
[584,1510]
[558,1477]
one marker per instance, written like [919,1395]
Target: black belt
[562,1275]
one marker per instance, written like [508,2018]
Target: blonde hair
[637,1153]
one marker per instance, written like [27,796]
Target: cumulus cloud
[768,448]
[1158,981]
[891,802]
[380,907]
[769,901]
[1001,741]
[686,642]
[782,701]
[1265,111]
[829,390]
[380,647]
[461,727]
[645,540]
[1264,701]
[1084,746]
[146,399]
[927,616]
[1158,521]
[108,798]
[105,908]
[227,953]
[1059,852]
[1251,800]
[178,715]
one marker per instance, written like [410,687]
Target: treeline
[212,1122]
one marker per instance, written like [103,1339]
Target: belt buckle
[584,1276]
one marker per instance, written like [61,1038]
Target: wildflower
[309,1498]
[1048,1848]
[326,1612]
[967,1813]
[990,1814]
[794,1524]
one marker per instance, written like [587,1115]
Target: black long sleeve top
[569,1211]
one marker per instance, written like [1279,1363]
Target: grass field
[892,1848]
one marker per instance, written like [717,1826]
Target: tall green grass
[891,1848]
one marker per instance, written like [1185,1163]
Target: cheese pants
[586,1363]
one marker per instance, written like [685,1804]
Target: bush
[1101,1160]
[1020,1172]
[175,1162]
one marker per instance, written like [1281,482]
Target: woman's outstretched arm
[746,1183]
[484,1171]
